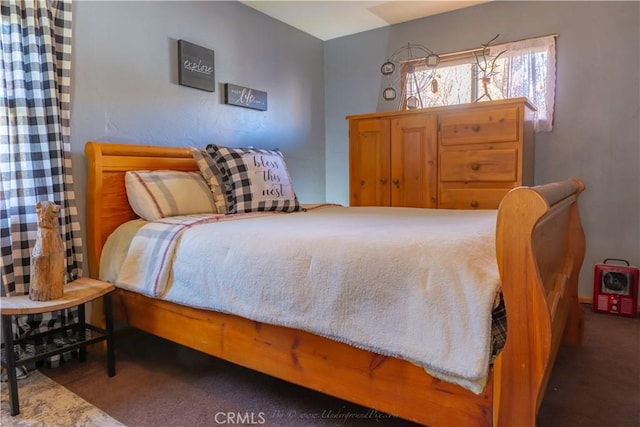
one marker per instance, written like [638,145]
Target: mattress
[356,275]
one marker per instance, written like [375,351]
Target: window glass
[520,69]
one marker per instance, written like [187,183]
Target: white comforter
[418,284]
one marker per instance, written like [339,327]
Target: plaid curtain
[35,151]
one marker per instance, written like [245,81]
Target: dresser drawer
[481,126]
[472,198]
[479,165]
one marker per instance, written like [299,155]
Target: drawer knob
[383,181]
[475,166]
[474,204]
[475,128]
[396,182]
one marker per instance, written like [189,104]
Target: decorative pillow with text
[254,179]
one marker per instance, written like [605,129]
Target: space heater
[615,288]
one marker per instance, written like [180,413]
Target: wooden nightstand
[76,294]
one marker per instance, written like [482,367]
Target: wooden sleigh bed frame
[540,249]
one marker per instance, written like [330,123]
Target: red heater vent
[615,288]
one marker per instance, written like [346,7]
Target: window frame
[448,59]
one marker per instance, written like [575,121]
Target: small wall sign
[196,66]
[245,97]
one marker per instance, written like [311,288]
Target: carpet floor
[161,383]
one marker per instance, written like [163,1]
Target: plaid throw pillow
[160,194]
[254,179]
[211,174]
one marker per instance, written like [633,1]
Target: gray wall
[125,83]
[596,134]
[124,89]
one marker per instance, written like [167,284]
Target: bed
[540,248]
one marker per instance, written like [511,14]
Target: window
[520,69]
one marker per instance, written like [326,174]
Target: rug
[45,403]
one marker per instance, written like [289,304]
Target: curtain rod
[464,53]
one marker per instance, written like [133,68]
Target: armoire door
[369,162]
[414,150]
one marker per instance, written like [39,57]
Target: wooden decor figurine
[47,257]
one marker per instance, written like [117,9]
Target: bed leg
[574,329]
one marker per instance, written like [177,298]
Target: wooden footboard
[540,248]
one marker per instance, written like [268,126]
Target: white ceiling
[330,19]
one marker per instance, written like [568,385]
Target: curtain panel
[35,150]
[529,70]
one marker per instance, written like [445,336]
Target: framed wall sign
[196,66]
[245,97]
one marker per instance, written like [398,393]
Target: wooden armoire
[458,157]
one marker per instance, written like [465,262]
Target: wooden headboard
[107,204]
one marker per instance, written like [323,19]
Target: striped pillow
[159,194]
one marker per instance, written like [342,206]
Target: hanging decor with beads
[399,72]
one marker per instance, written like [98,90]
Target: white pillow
[159,194]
